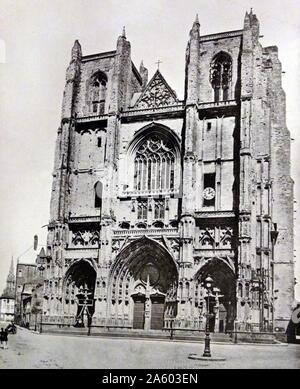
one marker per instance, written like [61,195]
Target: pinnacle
[76,51]
[76,43]
[196,24]
[11,269]
[11,274]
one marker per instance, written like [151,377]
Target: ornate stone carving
[216,238]
[226,237]
[174,244]
[207,238]
[116,245]
[157,94]
[68,261]
[83,238]
[59,262]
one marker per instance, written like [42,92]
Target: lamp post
[208,285]
[217,295]
[84,301]
[206,356]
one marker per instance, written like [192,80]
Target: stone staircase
[138,334]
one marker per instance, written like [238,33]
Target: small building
[7,299]
[28,288]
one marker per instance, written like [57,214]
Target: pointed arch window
[142,209]
[98,92]
[220,76]
[154,165]
[159,209]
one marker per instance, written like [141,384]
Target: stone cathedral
[152,194]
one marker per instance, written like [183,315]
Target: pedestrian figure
[1,337]
[4,336]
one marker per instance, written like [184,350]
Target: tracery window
[142,207]
[220,76]
[154,165]
[98,92]
[159,209]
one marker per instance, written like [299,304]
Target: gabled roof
[8,294]
[42,252]
[158,93]
[40,259]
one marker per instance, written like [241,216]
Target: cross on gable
[158,63]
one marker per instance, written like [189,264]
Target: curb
[207,359]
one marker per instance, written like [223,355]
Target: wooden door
[157,314]
[221,326]
[139,313]
[222,318]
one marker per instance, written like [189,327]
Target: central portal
[143,286]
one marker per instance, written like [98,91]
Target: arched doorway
[222,302]
[79,287]
[143,286]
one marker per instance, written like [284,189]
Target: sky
[36,37]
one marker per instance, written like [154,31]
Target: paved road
[31,350]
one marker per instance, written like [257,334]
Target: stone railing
[152,192]
[154,110]
[62,320]
[111,322]
[214,214]
[220,104]
[184,324]
[146,231]
[91,118]
[84,219]
[93,57]
[252,327]
[226,34]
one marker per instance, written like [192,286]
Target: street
[28,350]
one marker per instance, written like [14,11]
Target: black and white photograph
[150,182]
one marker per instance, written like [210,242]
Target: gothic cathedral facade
[151,194]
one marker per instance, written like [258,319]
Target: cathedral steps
[139,334]
[183,335]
